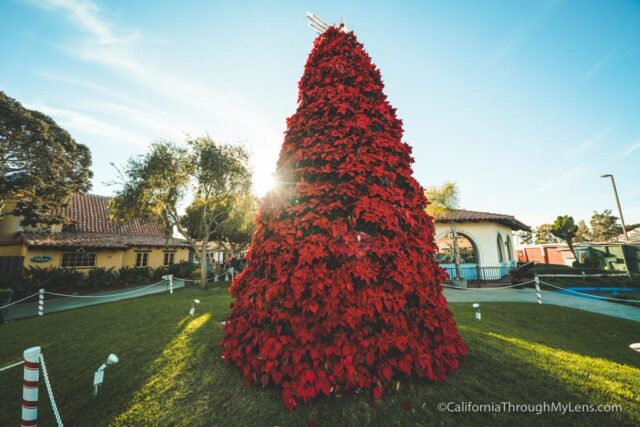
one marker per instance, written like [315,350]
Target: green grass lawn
[171,373]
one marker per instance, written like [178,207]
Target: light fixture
[98,376]
[192,312]
[477,307]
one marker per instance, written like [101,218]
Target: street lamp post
[615,192]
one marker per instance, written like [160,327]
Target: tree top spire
[320,26]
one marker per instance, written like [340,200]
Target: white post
[41,302]
[169,279]
[538,293]
[30,384]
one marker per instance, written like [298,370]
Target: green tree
[525,237]
[604,226]
[583,234]
[236,214]
[157,184]
[544,235]
[41,165]
[565,228]
[443,198]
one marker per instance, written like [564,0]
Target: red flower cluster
[342,289]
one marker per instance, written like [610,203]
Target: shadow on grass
[498,369]
[76,342]
[171,372]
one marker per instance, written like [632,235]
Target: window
[509,248]
[142,259]
[78,259]
[500,251]
[169,258]
[466,248]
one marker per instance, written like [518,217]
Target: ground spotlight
[192,312]
[98,376]
[477,307]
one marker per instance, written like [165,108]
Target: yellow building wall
[11,250]
[105,258]
[156,256]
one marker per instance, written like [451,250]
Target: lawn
[171,373]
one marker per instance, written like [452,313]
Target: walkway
[52,305]
[623,311]
[529,295]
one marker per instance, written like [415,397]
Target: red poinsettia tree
[342,290]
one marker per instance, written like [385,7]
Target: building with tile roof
[88,238]
[485,242]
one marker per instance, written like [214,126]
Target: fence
[481,276]
[167,281]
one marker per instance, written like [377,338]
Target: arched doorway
[500,244]
[467,248]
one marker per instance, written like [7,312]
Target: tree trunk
[456,252]
[570,244]
[204,265]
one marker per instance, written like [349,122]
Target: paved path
[529,295]
[623,311]
[53,305]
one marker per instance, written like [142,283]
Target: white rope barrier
[590,295]
[106,296]
[47,383]
[231,270]
[19,301]
[4,368]
[488,289]
[585,276]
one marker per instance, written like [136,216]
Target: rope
[488,289]
[590,295]
[210,278]
[105,296]
[20,300]
[51,398]
[11,366]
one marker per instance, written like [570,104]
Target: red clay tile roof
[461,215]
[88,226]
[73,239]
[90,213]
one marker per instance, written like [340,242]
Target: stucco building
[88,239]
[485,242]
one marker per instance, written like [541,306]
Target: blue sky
[524,104]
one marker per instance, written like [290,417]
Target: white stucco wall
[484,235]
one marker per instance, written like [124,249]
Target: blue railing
[476,274]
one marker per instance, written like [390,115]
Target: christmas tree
[342,290]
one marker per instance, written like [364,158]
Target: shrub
[53,279]
[182,270]
[5,298]
[101,277]
[135,275]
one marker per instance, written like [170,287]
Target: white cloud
[630,149]
[558,180]
[583,147]
[593,71]
[198,106]
[78,122]
[85,14]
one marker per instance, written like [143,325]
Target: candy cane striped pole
[41,302]
[30,387]
[538,293]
